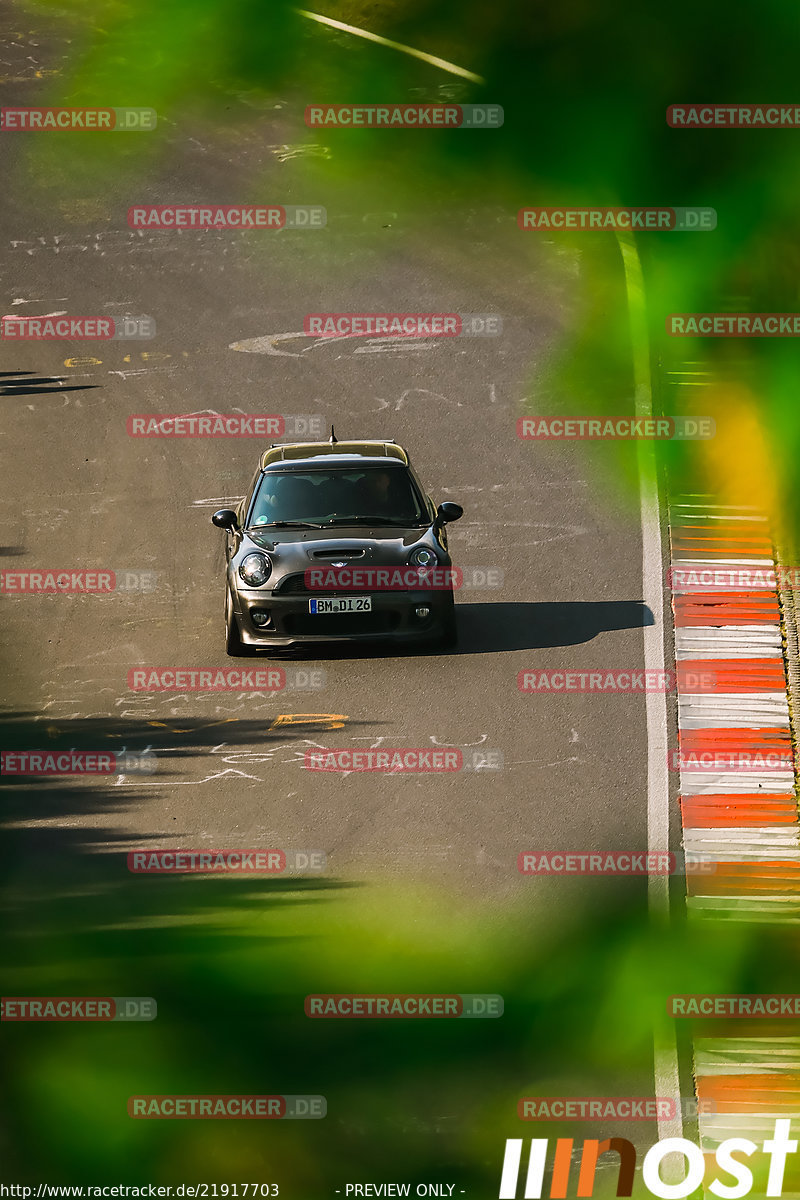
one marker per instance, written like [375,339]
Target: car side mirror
[225,518]
[448,512]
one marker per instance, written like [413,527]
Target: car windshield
[338,497]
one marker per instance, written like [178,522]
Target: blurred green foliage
[585,89]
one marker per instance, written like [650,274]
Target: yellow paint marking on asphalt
[26,78]
[197,728]
[297,720]
[154,355]
[143,355]
[442,63]
[213,724]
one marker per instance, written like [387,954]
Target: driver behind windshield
[386,494]
[286,498]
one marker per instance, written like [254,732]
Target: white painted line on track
[442,63]
[665,1051]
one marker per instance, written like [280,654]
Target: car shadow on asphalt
[25,383]
[497,628]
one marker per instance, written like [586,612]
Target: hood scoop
[344,552]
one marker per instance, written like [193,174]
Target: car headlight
[423,557]
[255,569]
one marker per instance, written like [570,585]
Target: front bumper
[393,617]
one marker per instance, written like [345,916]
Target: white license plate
[339,604]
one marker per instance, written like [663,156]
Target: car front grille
[295,585]
[341,624]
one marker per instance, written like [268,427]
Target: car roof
[323,454]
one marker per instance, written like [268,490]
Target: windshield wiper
[284,525]
[371,521]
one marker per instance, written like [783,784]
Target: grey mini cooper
[337,541]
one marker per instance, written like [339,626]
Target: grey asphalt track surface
[79,493]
